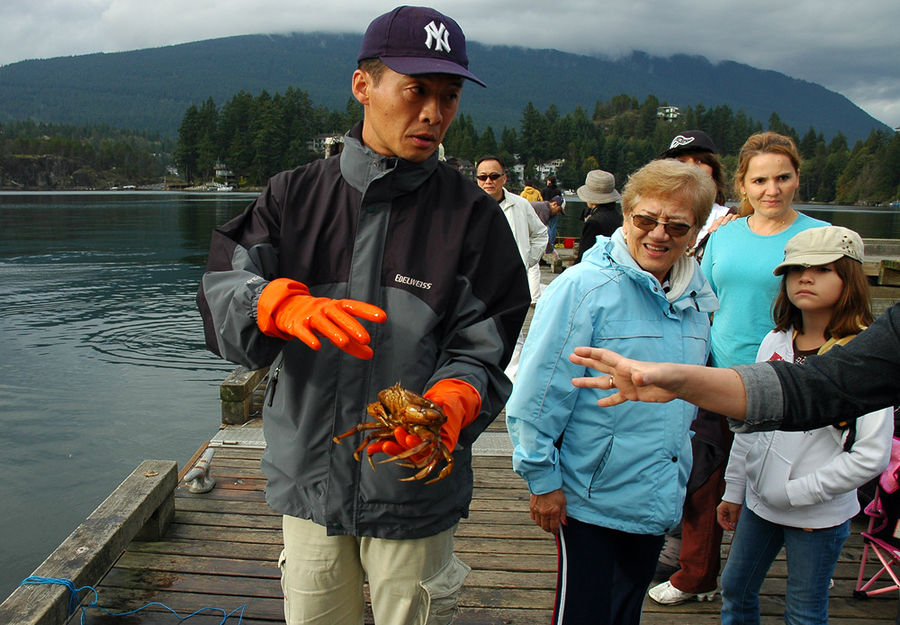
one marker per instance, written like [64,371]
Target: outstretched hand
[635,380]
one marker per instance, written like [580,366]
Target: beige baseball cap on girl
[820,246]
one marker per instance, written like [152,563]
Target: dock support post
[236,393]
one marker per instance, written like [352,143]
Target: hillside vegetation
[149,90]
[260,136]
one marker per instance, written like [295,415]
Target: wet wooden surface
[222,547]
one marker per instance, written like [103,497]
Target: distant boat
[219,188]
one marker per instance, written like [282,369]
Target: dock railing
[141,507]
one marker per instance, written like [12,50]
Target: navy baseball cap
[417,40]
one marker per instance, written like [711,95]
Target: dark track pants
[602,574]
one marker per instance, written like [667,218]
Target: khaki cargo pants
[411,582]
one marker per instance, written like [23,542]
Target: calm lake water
[103,363]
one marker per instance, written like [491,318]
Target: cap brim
[413,66]
[806,260]
[683,149]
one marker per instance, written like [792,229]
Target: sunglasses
[674,229]
[492,177]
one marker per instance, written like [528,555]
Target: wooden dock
[221,548]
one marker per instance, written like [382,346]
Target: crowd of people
[384,264]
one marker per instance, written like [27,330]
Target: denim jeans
[811,556]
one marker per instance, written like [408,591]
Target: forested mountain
[151,89]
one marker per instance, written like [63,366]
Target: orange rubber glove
[286,310]
[460,403]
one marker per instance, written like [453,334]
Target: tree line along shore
[253,137]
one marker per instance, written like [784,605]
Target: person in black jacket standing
[348,275]
[600,195]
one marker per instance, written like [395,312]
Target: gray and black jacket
[844,383]
[437,255]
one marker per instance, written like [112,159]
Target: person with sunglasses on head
[528,231]
[610,485]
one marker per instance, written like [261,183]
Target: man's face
[406,116]
[488,169]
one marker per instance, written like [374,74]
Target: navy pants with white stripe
[602,574]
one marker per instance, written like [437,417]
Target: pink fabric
[889,477]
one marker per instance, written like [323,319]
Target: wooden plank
[882,247]
[184,603]
[92,548]
[240,383]
[889,273]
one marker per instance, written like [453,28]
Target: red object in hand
[286,310]
[460,403]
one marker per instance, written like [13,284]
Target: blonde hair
[762,143]
[668,178]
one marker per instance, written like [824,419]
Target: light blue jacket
[625,467]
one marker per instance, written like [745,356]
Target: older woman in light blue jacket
[610,482]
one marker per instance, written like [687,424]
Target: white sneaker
[667,594]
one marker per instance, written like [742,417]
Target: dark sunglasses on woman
[674,229]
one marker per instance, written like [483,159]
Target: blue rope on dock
[75,602]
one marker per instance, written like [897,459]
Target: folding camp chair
[882,538]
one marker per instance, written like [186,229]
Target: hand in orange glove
[460,403]
[286,309]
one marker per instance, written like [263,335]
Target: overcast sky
[848,47]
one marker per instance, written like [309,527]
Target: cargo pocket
[442,591]
[281,561]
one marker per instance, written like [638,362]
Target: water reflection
[103,362]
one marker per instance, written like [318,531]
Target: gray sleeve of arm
[765,399]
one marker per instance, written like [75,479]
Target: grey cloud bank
[850,48]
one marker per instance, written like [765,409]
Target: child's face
[814,288]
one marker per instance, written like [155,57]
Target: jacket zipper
[274,382]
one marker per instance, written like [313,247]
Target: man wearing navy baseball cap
[348,275]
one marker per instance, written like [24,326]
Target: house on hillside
[326,144]
[549,168]
[224,174]
[668,113]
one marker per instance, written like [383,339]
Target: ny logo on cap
[439,36]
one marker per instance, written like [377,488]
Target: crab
[407,423]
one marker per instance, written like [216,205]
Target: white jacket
[805,479]
[527,228]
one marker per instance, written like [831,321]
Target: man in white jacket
[528,230]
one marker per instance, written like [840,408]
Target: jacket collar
[688,286]
[361,167]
